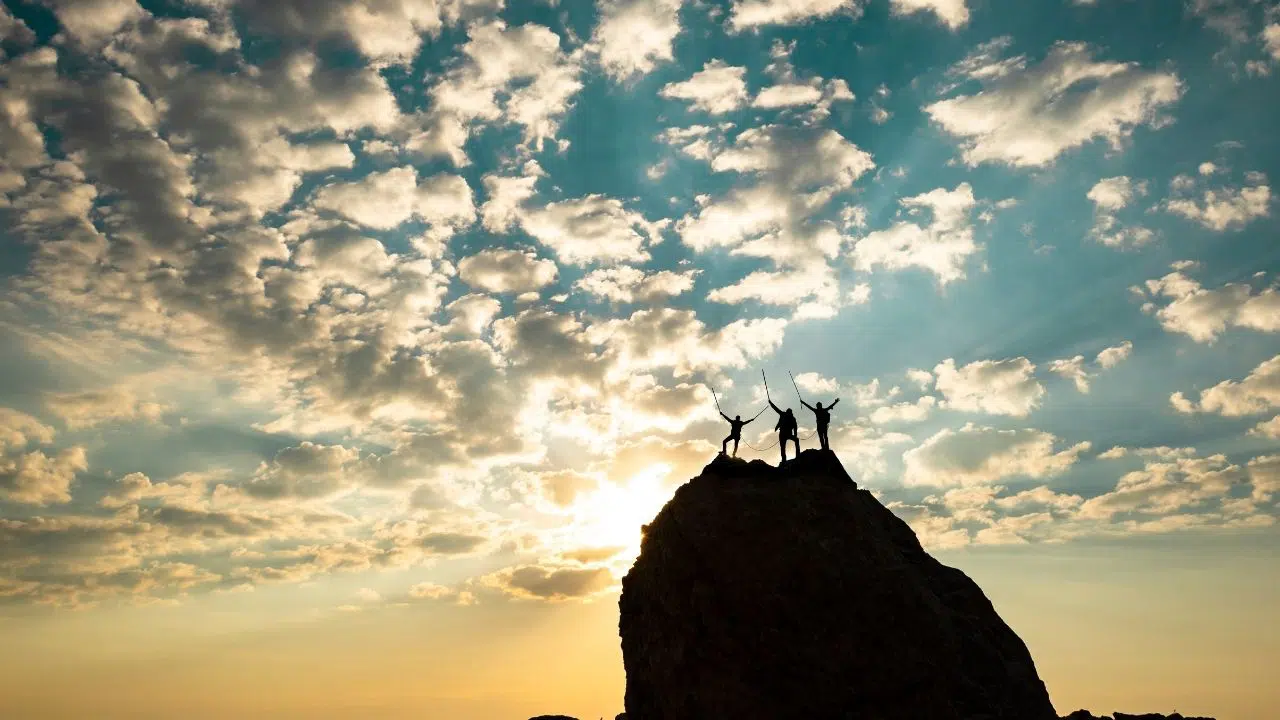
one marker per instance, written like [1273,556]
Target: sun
[613,514]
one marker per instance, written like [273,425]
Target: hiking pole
[766,385]
[797,387]
[713,397]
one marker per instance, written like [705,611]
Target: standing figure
[823,417]
[736,423]
[788,429]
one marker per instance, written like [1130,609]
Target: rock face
[765,592]
[1086,715]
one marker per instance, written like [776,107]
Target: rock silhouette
[765,592]
[1086,715]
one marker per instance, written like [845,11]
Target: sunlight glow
[613,514]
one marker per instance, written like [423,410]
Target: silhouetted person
[736,423]
[823,416]
[788,429]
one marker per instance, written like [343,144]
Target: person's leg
[724,444]
[783,445]
[735,447]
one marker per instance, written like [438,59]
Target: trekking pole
[797,387]
[713,397]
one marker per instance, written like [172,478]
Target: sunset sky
[345,346]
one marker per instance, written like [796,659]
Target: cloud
[1182,305]
[1267,428]
[977,455]
[1114,355]
[1257,393]
[510,75]
[1019,117]
[1220,209]
[499,270]
[591,229]
[1161,488]
[1074,368]
[306,471]
[717,88]
[911,412]
[952,13]
[633,36]
[388,199]
[749,14]
[996,387]
[93,407]
[626,284]
[33,477]
[1264,474]
[940,244]
[552,583]
[1109,196]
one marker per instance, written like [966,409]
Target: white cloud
[633,36]
[591,229]
[1271,39]
[1073,370]
[507,196]
[952,13]
[1182,305]
[1111,194]
[1264,475]
[94,21]
[981,456]
[717,88]
[1164,487]
[917,411]
[1114,355]
[1019,118]
[500,270]
[93,407]
[1257,393]
[388,199]
[996,387]
[1267,428]
[787,95]
[626,284]
[1221,209]
[515,75]
[748,14]
[941,244]
[29,476]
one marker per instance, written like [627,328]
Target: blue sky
[406,301]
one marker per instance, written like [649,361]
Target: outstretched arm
[833,404]
[775,407]
[807,405]
[748,422]
[726,417]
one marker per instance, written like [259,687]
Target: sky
[346,346]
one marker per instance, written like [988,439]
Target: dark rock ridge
[768,593]
[1086,715]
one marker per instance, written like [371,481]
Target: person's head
[788,411]
[819,404]
[737,417]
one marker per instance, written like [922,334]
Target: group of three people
[787,427]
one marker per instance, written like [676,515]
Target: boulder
[765,592]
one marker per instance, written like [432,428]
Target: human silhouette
[788,429]
[736,423]
[823,417]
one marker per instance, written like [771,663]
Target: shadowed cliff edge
[766,593]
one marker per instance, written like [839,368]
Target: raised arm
[807,405]
[726,417]
[775,407]
[748,422]
[837,400]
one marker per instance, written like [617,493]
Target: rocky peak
[764,592]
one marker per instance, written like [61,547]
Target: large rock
[765,592]
[1086,715]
